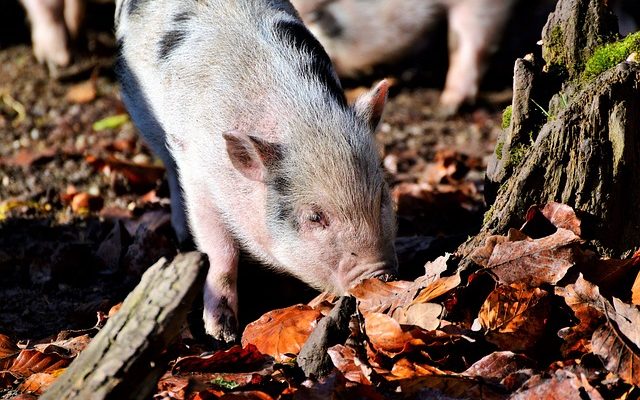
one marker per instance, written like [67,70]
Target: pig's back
[223,63]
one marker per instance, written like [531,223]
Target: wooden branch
[124,360]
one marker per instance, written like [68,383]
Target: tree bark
[585,151]
[124,360]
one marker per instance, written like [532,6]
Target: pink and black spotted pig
[262,150]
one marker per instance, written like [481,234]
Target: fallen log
[124,360]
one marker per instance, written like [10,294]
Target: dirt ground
[84,210]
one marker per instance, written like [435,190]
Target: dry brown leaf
[588,305]
[435,268]
[514,317]
[31,361]
[482,254]
[424,315]
[562,216]
[281,333]
[334,386]
[448,387]
[563,385]
[375,295]
[173,387]
[498,365]
[244,359]
[345,360]
[388,337]
[405,369]
[635,291]
[7,347]
[83,92]
[39,382]
[66,348]
[385,333]
[535,262]
[84,202]
[612,276]
[437,289]
[617,342]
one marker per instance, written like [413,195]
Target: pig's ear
[370,106]
[250,155]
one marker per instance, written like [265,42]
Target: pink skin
[52,23]
[330,252]
[474,28]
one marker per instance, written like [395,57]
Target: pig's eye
[317,218]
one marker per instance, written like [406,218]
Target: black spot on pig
[136,6]
[169,42]
[173,38]
[319,65]
[182,17]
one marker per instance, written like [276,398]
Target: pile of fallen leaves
[539,316]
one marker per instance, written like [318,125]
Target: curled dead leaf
[345,360]
[562,216]
[514,317]
[588,305]
[617,342]
[39,382]
[281,333]
[31,361]
[405,369]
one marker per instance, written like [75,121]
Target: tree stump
[124,360]
[579,146]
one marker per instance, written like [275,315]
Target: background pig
[359,34]
[244,107]
[53,23]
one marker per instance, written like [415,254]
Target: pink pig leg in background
[475,28]
[74,16]
[48,31]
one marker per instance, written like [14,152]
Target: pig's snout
[353,271]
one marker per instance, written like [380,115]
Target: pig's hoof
[222,325]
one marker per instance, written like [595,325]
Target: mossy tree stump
[572,138]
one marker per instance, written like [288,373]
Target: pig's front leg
[220,290]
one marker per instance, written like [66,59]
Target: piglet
[361,34]
[262,151]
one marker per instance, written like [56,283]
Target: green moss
[506,117]
[221,382]
[516,154]
[553,51]
[488,215]
[610,55]
[499,148]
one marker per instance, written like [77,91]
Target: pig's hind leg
[475,28]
